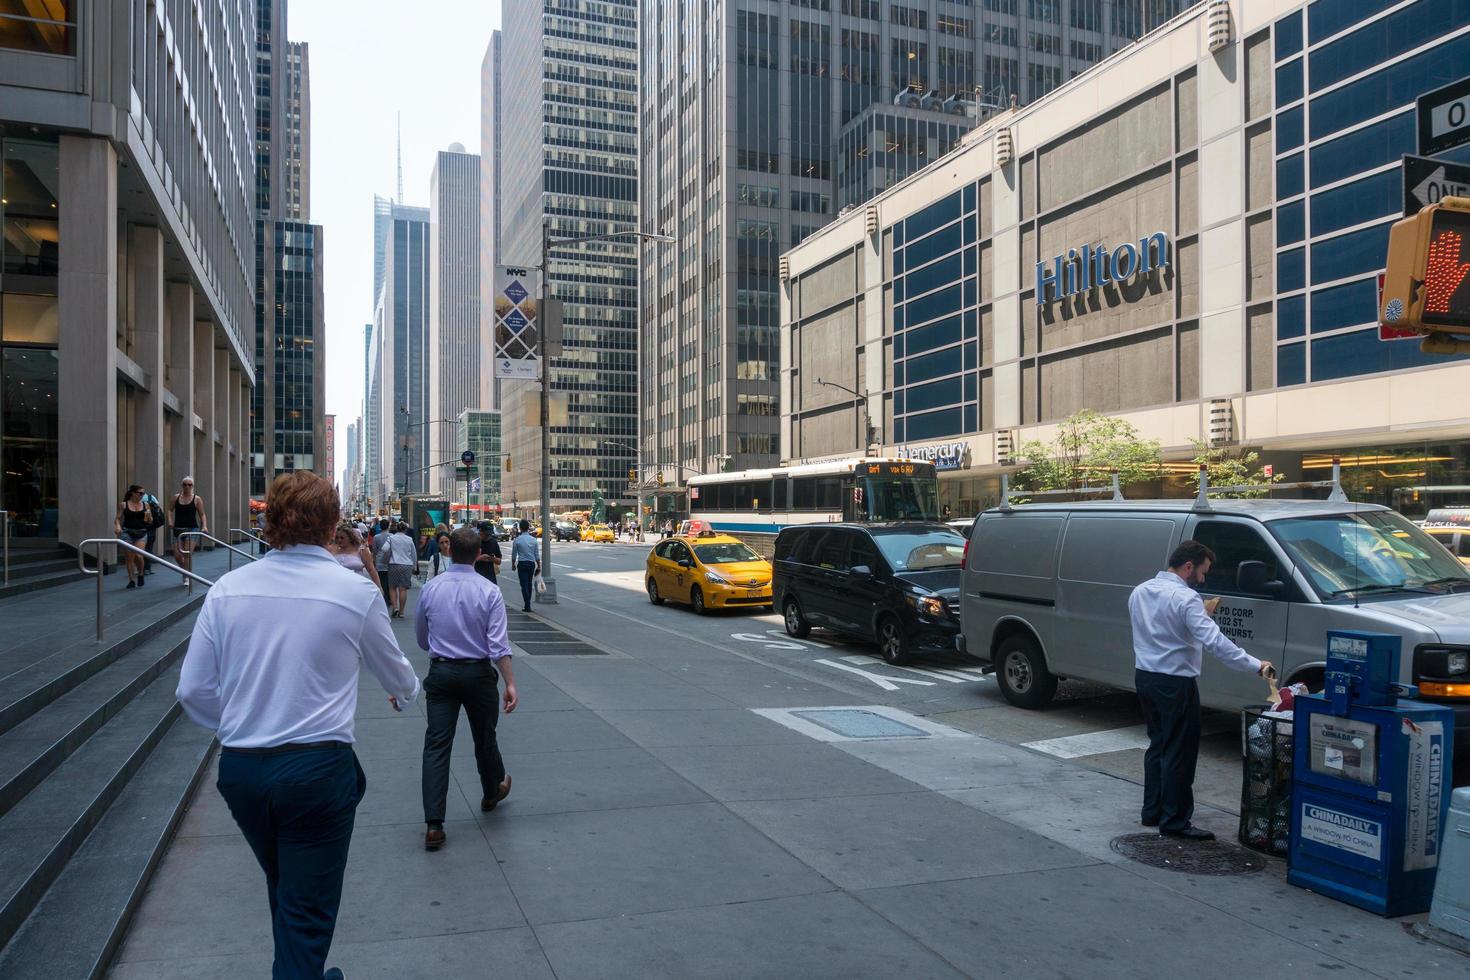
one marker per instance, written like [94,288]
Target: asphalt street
[601,586]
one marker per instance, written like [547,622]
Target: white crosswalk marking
[886,683]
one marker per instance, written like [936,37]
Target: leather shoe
[433,838]
[1191,832]
[1149,823]
[333,974]
[501,792]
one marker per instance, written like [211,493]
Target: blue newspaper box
[1370,781]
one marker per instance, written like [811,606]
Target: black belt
[331,743]
[460,660]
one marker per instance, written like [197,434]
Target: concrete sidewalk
[661,827]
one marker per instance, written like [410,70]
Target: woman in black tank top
[186,514]
[131,525]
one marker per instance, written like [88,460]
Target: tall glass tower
[746,111]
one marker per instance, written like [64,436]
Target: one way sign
[1428,181]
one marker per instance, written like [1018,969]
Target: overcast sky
[366,65]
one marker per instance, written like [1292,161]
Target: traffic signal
[632,475]
[1425,285]
[507,464]
[660,478]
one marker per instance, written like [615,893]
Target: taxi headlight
[716,578]
[931,606]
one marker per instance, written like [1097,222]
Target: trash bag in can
[1265,793]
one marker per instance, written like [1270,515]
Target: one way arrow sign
[1428,181]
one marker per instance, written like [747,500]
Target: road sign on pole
[1444,117]
[1428,182]
[467,457]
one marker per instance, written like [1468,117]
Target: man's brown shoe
[433,838]
[502,791]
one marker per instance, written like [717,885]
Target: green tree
[1231,467]
[1088,449]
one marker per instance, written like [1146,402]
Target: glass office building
[479,432]
[567,162]
[745,154]
[1183,237]
[125,261]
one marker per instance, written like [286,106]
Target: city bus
[862,490]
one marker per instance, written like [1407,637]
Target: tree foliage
[1088,449]
[1229,467]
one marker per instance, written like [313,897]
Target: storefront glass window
[28,189]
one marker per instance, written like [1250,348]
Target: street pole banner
[517,312]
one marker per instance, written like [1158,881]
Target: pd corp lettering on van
[1236,622]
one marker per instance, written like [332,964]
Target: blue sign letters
[1084,269]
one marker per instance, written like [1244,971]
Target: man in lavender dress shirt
[460,620]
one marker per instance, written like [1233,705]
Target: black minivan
[896,584]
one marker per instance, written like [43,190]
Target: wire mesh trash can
[1265,792]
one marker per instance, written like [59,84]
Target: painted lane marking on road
[886,683]
[1092,743]
[782,641]
[811,643]
[950,675]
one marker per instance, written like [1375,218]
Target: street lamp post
[860,400]
[547,244]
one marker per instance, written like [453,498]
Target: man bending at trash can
[1171,628]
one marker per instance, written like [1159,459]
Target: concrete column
[87,379]
[204,476]
[242,393]
[242,450]
[179,375]
[224,476]
[145,249]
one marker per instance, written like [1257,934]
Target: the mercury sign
[1083,269]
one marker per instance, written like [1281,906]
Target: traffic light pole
[549,595]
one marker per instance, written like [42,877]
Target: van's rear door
[1257,622]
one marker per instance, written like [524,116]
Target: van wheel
[1019,667]
[696,599]
[893,642]
[796,624]
[653,595]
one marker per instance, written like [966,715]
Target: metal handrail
[5,533]
[233,550]
[146,554]
[249,534]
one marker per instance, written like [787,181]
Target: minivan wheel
[893,642]
[1021,670]
[696,599]
[653,595]
[796,624]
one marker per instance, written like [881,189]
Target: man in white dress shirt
[1170,629]
[272,667]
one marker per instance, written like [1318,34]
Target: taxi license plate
[752,593]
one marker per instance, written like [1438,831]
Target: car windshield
[724,553]
[915,551]
[1375,551]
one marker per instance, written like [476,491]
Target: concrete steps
[97,765]
[32,569]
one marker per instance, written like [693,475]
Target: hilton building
[126,293]
[1186,236]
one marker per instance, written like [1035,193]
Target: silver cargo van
[1045,592]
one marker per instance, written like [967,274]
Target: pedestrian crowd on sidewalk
[272,668]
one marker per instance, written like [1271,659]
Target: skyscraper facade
[490,103]
[289,405]
[458,375]
[397,404]
[568,149]
[743,110]
[126,259]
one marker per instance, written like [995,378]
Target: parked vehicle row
[1040,591]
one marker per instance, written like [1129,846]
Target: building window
[50,28]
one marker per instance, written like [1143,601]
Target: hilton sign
[1084,269]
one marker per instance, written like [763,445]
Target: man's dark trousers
[470,684]
[296,810]
[527,571]
[1171,712]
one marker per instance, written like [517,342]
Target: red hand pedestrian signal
[1444,272]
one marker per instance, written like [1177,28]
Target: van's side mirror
[860,571]
[1253,578]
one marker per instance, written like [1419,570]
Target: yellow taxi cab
[708,571]
[1450,526]
[598,532]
